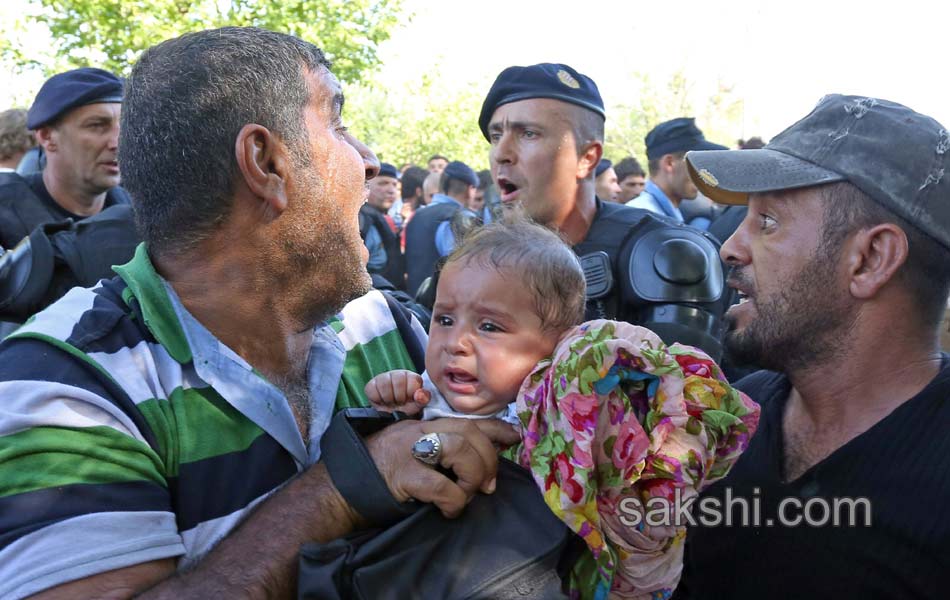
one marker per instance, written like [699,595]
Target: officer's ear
[668,163]
[263,165]
[45,138]
[589,159]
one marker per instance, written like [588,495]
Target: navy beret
[387,170]
[677,135]
[602,166]
[66,91]
[461,171]
[545,80]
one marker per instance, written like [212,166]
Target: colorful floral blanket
[616,426]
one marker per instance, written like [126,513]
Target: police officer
[430,235]
[605,181]
[75,117]
[669,183]
[379,230]
[545,124]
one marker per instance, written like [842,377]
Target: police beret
[387,170]
[461,171]
[602,166]
[677,135]
[545,80]
[71,89]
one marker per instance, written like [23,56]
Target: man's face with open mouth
[534,158]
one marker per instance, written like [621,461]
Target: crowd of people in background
[466,198]
[405,256]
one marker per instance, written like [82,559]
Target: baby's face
[484,339]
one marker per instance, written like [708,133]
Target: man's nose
[503,150]
[114,137]
[370,162]
[735,250]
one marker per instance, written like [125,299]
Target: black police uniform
[651,271]
[393,271]
[25,204]
[421,252]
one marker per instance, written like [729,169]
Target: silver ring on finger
[428,449]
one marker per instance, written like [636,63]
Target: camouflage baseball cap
[898,157]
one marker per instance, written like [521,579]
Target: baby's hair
[546,265]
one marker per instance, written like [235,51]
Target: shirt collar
[443,199]
[148,287]
[665,204]
[187,340]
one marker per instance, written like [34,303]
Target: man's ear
[667,163]
[44,137]
[263,164]
[874,256]
[589,158]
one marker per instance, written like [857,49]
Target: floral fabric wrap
[617,418]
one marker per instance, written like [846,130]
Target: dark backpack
[505,545]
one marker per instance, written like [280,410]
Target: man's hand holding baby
[397,390]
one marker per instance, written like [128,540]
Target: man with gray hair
[15,138]
[162,434]
[843,268]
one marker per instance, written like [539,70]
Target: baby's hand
[397,390]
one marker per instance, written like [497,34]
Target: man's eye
[530,134]
[494,137]
[767,222]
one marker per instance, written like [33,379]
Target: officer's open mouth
[507,188]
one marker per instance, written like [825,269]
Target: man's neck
[71,197]
[577,222]
[879,370]
[667,190]
[248,314]
[834,401]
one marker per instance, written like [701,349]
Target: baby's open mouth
[460,377]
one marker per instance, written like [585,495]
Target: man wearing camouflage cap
[843,267]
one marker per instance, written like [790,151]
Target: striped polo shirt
[129,433]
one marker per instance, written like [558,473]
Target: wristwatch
[352,469]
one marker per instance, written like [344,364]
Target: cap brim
[729,176]
[707,145]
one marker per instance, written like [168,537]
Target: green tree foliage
[418,119]
[414,120]
[112,33]
[718,113]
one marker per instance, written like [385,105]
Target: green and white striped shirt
[129,433]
